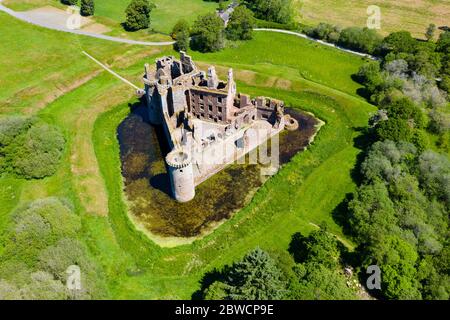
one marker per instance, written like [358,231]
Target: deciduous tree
[138,15]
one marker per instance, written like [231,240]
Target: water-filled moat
[142,152]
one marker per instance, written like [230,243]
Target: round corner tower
[181,175]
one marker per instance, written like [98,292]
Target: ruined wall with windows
[207,105]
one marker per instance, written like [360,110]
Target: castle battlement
[202,116]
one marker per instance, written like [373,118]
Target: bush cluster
[29,147]
[40,245]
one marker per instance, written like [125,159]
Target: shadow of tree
[362,142]
[297,247]
[208,279]
[340,214]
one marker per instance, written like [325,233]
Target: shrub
[181,33]
[38,225]
[39,152]
[208,33]
[325,31]
[70,2]
[240,26]
[87,8]
[40,245]
[394,129]
[11,127]
[397,42]
[68,252]
[362,40]
[29,147]
[271,10]
[255,277]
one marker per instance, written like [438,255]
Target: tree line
[398,216]
[312,268]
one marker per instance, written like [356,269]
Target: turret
[213,80]
[181,175]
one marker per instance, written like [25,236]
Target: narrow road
[47,25]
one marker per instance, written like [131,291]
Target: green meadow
[304,194]
[165,14]
[112,12]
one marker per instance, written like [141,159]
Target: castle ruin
[207,124]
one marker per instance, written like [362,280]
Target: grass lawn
[288,57]
[413,16]
[163,17]
[300,197]
[39,65]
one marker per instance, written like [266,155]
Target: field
[32,78]
[112,12]
[410,15]
[305,75]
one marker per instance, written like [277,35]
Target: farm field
[59,84]
[413,16]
